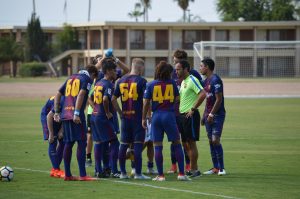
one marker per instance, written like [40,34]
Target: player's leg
[53,158]
[114,151]
[81,157]
[122,158]
[173,168]
[150,156]
[98,157]
[187,161]
[67,158]
[89,145]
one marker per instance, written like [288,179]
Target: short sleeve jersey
[47,107]
[189,90]
[131,90]
[212,86]
[102,88]
[162,94]
[70,90]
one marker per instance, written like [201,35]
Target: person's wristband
[211,115]
[77,112]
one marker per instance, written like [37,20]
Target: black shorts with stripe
[189,128]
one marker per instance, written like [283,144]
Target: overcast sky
[51,12]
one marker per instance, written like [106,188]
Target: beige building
[155,41]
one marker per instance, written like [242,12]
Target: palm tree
[184,4]
[146,5]
[136,13]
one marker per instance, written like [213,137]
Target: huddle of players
[161,95]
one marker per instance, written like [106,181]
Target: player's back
[47,107]
[163,95]
[131,89]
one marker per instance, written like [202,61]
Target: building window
[192,36]
[137,39]
[281,35]
[246,35]
[162,39]
[222,35]
[120,39]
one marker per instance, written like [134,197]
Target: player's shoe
[159,178]
[71,178]
[132,173]
[211,171]
[151,171]
[88,162]
[60,173]
[102,175]
[116,175]
[87,178]
[195,174]
[141,177]
[181,177]
[173,169]
[222,172]
[53,172]
[187,167]
[124,176]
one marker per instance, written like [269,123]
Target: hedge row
[32,69]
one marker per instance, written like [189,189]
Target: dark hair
[108,64]
[185,64]
[95,59]
[207,61]
[163,71]
[91,69]
[180,54]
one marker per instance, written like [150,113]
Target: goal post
[251,58]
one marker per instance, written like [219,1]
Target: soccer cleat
[222,172]
[195,174]
[173,169]
[159,178]
[116,175]
[87,178]
[151,171]
[88,162]
[102,175]
[53,172]
[60,173]
[183,178]
[187,167]
[124,176]
[211,171]
[71,178]
[132,173]
[141,177]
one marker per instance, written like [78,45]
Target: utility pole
[33,13]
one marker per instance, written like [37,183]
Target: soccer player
[214,115]
[52,132]
[75,90]
[162,93]
[191,97]
[179,55]
[131,89]
[102,122]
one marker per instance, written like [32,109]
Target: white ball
[6,173]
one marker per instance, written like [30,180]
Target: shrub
[32,69]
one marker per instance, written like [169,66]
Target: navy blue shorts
[216,127]
[103,129]
[132,131]
[74,132]
[163,121]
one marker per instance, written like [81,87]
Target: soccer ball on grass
[6,173]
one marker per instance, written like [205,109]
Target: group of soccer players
[164,105]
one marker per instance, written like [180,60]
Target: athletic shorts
[74,132]
[216,127]
[88,122]
[102,129]
[163,121]
[132,131]
[148,136]
[189,127]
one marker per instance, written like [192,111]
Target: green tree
[136,13]
[256,10]
[10,50]
[184,4]
[36,46]
[66,40]
[146,6]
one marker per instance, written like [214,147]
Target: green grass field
[260,140]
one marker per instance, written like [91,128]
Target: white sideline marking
[145,185]
[260,96]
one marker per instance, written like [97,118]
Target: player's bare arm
[116,105]
[56,107]
[50,126]
[106,107]
[217,104]
[200,99]
[79,101]
[146,106]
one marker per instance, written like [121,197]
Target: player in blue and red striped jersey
[178,56]
[52,132]
[102,122]
[75,90]
[131,89]
[214,114]
[162,93]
